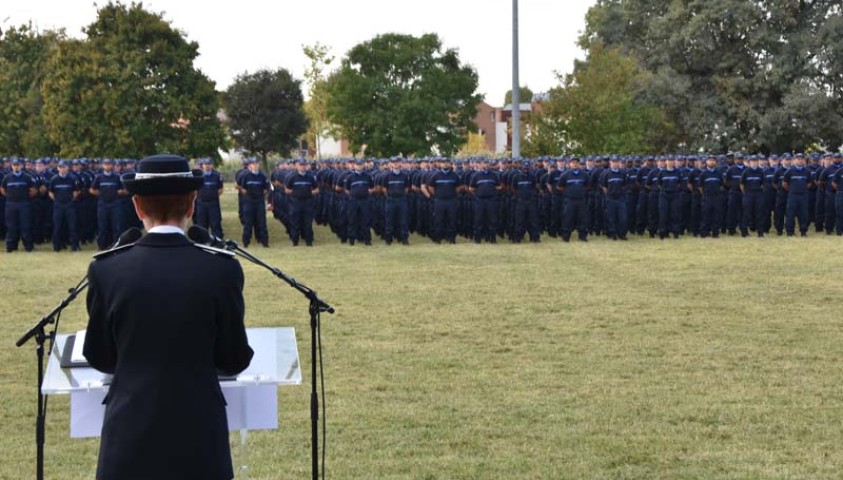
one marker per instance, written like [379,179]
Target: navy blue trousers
[445,219]
[359,213]
[653,211]
[733,209]
[641,214]
[752,214]
[2,217]
[18,225]
[617,216]
[64,220]
[209,216]
[781,207]
[696,213]
[769,208]
[485,218]
[670,210]
[797,207]
[301,220]
[711,214]
[575,217]
[830,212]
[526,219]
[397,221]
[109,223]
[254,220]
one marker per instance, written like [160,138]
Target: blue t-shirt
[397,184]
[302,185]
[108,185]
[752,179]
[615,182]
[17,186]
[798,180]
[485,184]
[358,185]
[446,183]
[63,188]
[575,183]
[255,184]
[209,192]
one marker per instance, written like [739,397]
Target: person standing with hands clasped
[152,326]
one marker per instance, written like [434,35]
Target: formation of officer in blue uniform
[666,197]
[66,203]
[70,203]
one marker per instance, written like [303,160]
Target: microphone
[202,236]
[128,237]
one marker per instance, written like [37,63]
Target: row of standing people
[479,199]
[64,203]
[664,197]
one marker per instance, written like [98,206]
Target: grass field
[680,359]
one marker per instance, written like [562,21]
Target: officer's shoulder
[113,252]
[214,251]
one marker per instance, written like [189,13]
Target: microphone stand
[316,308]
[40,335]
[38,332]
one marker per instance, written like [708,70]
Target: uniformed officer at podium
[165,317]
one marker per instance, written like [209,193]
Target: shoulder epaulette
[113,251]
[214,251]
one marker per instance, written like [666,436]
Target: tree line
[716,76]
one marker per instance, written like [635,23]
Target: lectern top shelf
[276,362]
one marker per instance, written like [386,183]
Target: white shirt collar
[166,229]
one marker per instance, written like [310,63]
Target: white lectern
[252,396]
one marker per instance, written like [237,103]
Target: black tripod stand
[39,333]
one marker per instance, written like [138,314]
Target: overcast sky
[246,35]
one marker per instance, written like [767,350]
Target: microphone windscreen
[199,235]
[131,235]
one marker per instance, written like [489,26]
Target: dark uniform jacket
[164,318]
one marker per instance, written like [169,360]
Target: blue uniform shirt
[837,178]
[752,179]
[615,182]
[396,183]
[769,176]
[63,188]
[825,176]
[446,183]
[525,185]
[256,185]
[485,184]
[302,185]
[669,181]
[733,177]
[711,182]
[358,184]
[17,186]
[575,183]
[209,192]
[798,180]
[108,185]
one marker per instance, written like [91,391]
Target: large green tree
[735,74]
[598,108]
[130,89]
[400,94]
[265,111]
[23,56]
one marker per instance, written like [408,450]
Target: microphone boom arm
[308,292]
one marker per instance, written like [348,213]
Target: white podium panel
[252,396]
